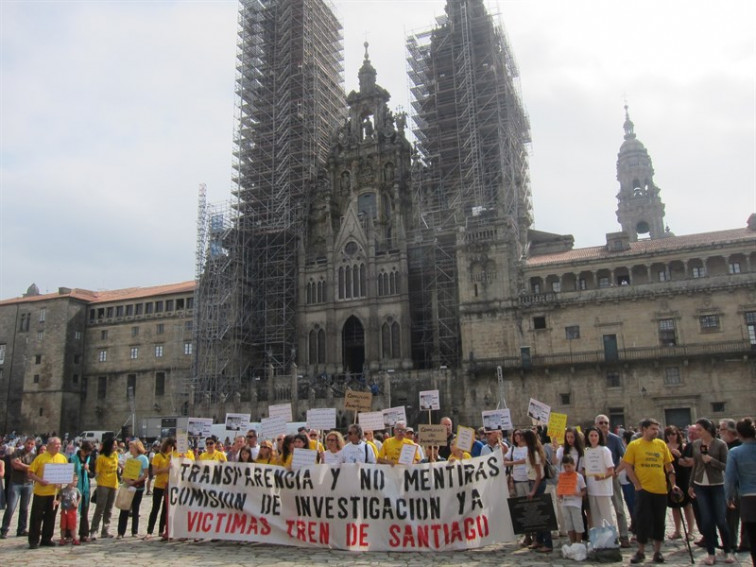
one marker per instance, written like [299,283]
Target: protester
[334,445]
[232,455]
[710,459]
[740,481]
[392,447]
[649,465]
[20,488]
[676,445]
[82,462]
[729,434]
[266,454]
[210,453]
[106,467]
[252,439]
[137,453]
[571,501]
[445,451]
[615,445]
[356,450]
[69,499]
[161,466]
[43,509]
[598,468]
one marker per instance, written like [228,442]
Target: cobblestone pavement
[137,551]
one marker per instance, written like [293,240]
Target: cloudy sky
[113,112]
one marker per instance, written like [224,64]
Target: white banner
[358,507]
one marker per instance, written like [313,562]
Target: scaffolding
[214,375]
[290,100]
[471,164]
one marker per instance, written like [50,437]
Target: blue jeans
[17,494]
[713,508]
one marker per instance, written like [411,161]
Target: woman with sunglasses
[211,454]
[334,445]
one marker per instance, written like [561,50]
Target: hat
[267,444]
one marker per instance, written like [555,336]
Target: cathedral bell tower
[640,210]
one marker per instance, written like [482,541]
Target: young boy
[570,491]
[69,504]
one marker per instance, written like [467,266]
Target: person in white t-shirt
[598,468]
[356,450]
[571,501]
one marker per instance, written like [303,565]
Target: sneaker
[658,557]
[639,557]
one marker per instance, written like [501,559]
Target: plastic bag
[575,551]
[125,497]
[603,537]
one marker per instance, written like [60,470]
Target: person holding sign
[570,492]
[392,447]
[42,521]
[134,474]
[599,470]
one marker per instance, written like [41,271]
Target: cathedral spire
[640,210]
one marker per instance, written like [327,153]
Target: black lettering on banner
[335,472]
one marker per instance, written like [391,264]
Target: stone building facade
[79,360]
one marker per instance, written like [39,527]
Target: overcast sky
[113,113]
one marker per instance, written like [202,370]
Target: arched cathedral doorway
[353,345]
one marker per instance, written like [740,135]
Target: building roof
[646,247]
[107,295]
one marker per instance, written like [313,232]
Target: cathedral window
[366,205]
[390,340]
[352,281]
[317,346]
[388,283]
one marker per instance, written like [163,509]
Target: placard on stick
[237,421]
[358,401]
[58,473]
[392,415]
[431,434]
[323,419]
[539,411]
[499,419]
[430,400]
[557,425]
[465,438]
[280,410]
[199,426]
[371,420]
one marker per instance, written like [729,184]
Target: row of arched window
[316,292]
[388,283]
[352,281]
[352,284]
[390,343]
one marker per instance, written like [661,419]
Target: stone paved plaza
[137,551]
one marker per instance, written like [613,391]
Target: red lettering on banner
[309,532]
[200,521]
[436,536]
[356,535]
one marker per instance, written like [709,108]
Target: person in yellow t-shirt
[161,466]
[648,464]
[457,454]
[313,441]
[106,473]
[392,447]
[43,510]
[210,453]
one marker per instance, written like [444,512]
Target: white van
[93,436]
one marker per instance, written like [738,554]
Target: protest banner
[430,400]
[432,434]
[358,507]
[323,419]
[199,426]
[392,415]
[56,473]
[371,420]
[539,411]
[465,438]
[280,410]
[557,425]
[237,422]
[358,401]
[499,419]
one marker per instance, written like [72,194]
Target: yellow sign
[132,469]
[557,425]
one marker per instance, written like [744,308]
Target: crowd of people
[705,473]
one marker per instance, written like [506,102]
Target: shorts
[573,519]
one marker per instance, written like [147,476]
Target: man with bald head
[445,450]
[43,508]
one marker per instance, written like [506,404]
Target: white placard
[280,410]
[271,427]
[303,458]
[593,461]
[539,411]
[322,419]
[55,473]
[500,419]
[430,400]
[237,422]
[182,441]
[199,426]
[407,456]
[392,415]
[371,421]
[465,438]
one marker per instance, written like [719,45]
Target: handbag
[125,497]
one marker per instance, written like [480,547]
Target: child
[570,491]
[69,504]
